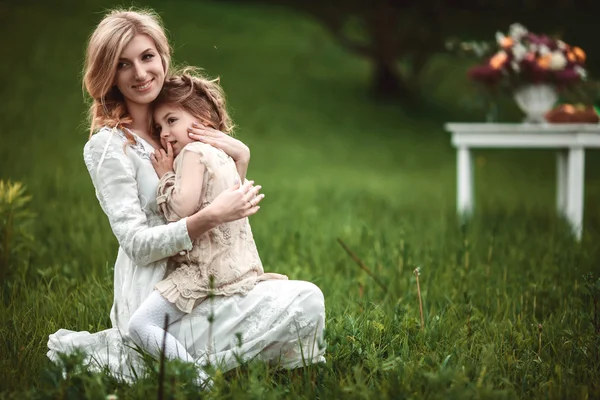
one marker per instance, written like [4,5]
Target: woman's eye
[148,57]
[121,65]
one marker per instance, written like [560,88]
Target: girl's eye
[171,120]
[158,128]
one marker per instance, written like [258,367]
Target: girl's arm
[179,195]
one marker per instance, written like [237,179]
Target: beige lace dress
[226,253]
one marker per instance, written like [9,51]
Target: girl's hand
[162,160]
[237,202]
[234,148]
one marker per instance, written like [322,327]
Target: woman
[127,60]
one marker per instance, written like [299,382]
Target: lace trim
[186,288]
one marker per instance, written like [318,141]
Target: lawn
[508,310]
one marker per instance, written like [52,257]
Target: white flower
[112,397]
[558,61]
[466,46]
[479,49]
[500,38]
[561,45]
[517,31]
[543,49]
[515,66]
[580,71]
[519,51]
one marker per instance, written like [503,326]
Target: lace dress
[278,321]
[226,253]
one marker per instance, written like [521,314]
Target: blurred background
[342,104]
[352,92]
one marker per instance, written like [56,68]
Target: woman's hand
[162,160]
[230,205]
[236,202]
[234,148]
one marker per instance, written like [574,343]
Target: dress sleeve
[113,176]
[179,194]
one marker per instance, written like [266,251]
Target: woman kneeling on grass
[279,321]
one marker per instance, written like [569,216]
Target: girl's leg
[146,328]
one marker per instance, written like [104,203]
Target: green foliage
[592,290]
[333,165]
[15,228]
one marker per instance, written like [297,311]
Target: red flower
[567,76]
[535,72]
[485,74]
[542,40]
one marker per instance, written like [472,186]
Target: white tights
[146,328]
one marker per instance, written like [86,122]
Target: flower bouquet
[534,67]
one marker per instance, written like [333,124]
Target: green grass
[333,164]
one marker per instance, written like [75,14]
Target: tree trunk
[388,83]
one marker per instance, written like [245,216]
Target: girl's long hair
[199,96]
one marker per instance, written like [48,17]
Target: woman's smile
[144,86]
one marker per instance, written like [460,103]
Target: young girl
[222,262]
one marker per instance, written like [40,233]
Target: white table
[570,141]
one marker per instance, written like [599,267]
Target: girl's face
[140,73]
[172,123]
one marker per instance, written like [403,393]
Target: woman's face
[140,72]
[172,124]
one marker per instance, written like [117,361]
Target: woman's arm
[242,168]
[237,202]
[113,177]
[234,148]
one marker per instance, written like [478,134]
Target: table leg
[575,189]
[465,202]
[561,182]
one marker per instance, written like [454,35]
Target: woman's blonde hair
[196,94]
[104,49]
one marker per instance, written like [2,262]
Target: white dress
[280,322]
